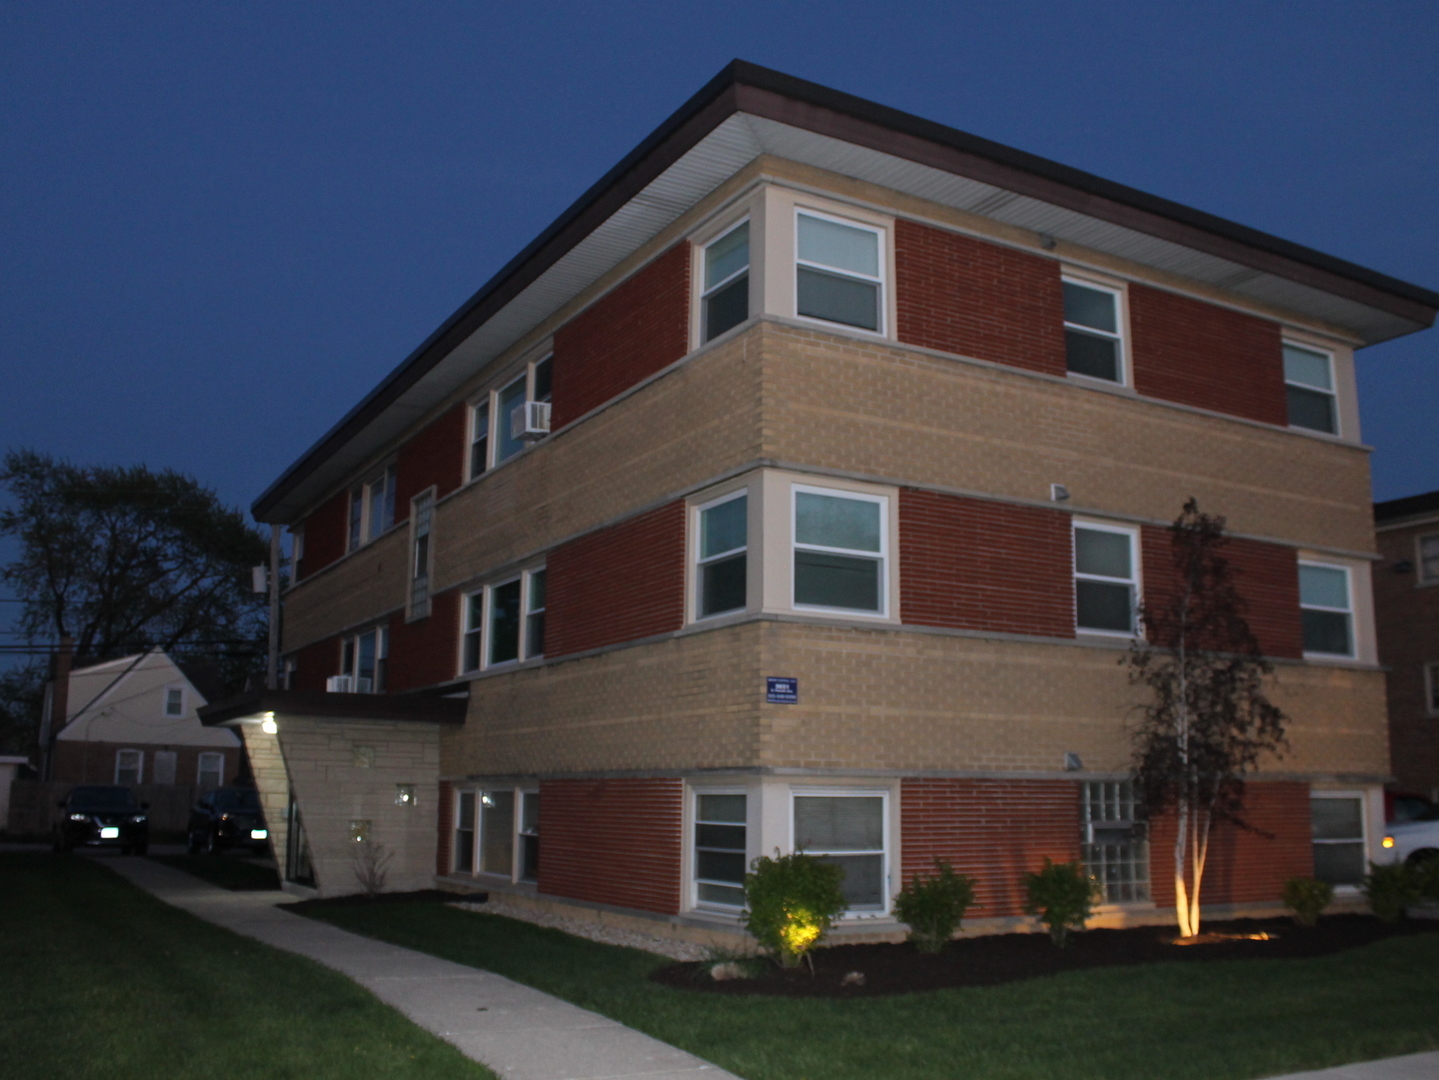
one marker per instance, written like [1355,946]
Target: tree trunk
[1181,848]
[1201,856]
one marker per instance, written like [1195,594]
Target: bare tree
[1208,720]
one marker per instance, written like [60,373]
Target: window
[1338,824]
[505,622]
[840,548]
[480,438]
[723,541]
[1115,845]
[1093,345]
[497,419]
[720,848]
[529,835]
[509,442]
[364,658]
[463,860]
[497,832]
[1309,385]
[372,508]
[422,510]
[129,766]
[174,701]
[211,770]
[1106,592]
[847,830]
[1431,689]
[837,273]
[289,668]
[725,301]
[1325,609]
[1429,558]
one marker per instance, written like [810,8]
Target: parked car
[102,815]
[1412,841]
[228,817]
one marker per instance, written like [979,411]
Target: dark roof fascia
[760,91]
[1409,506]
[318,704]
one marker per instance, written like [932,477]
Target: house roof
[1411,506]
[317,703]
[747,111]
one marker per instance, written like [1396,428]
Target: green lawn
[226,871]
[100,981]
[1213,1021]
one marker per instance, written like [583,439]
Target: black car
[103,815]
[228,817]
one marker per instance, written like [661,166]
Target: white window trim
[385,474]
[882,557]
[1362,797]
[165,701]
[1121,320]
[883,793]
[706,293]
[139,764]
[490,398]
[882,253]
[486,593]
[691,848]
[1419,577]
[200,769]
[474,833]
[698,560]
[519,857]
[382,652]
[1353,653]
[1136,581]
[1333,391]
[417,607]
[478,843]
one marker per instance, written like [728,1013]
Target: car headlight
[79,817]
[1388,842]
[259,834]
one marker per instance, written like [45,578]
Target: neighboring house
[796,488]
[1406,599]
[133,721]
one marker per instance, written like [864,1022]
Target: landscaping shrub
[1307,897]
[790,902]
[933,907]
[1391,889]
[1062,895]
[1426,875]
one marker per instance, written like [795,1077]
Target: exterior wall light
[268,725]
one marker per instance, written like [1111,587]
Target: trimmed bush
[1426,876]
[1391,889]
[1062,895]
[790,903]
[933,907]
[1307,897]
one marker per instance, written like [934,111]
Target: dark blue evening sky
[221,224]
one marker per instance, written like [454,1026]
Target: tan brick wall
[361,587]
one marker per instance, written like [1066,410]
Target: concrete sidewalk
[520,1033]
[1409,1067]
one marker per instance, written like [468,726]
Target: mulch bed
[420,896]
[1002,958]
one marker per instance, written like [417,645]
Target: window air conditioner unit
[339,684]
[530,420]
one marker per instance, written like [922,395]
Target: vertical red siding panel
[630,333]
[1199,354]
[966,296]
[324,535]
[612,842]
[617,584]
[434,456]
[426,651]
[977,565]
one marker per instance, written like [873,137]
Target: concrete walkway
[1409,1067]
[520,1033]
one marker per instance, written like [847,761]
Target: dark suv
[228,817]
[95,815]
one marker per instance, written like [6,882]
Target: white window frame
[882,261]
[521,793]
[1121,321]
[699,561]
[1350,611]
[370,520]
[887,887]
[1333,391]
[179,690]
[490,401]
[474,832]
[1135,581]
[1362,798]
[1431,688]
[486,594]
[692,846]
[200,769]
[422,528]
[477,843]
[706,293]
[1419,575]
[139,765]
[382,653]
[471,434]
[882,557]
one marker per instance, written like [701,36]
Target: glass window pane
[836,581]
[724,527]
[497,826]
[509,444]
[1429,558]
[843,247]
[1308,368]
[838,822]
[1324,586]
[723,585]
[537,590]
[838,299]
[836,522]
[722,808]
[1096,357]
[720,837]
[727,255]
[1101,606]
[505,622]
[720,865]
[1337,819]
[543,369]
[1103,553]
[863,884]
[1339,864]
[1090,307]
[727,308]
[722,894]
[530,812]
[479,449]
[466,816]
[1326,632]
[1311,409]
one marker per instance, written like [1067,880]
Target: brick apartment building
[862,438]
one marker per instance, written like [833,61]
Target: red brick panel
[1243,866]
[425,652]
[966,296]
[978,565]
[445,815]
[80,761]
[626,335]
[1266,577]
[316,663]
[435,456]
[1210,357]
[324,535]
[617,584]
[993,830]
[612,842]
